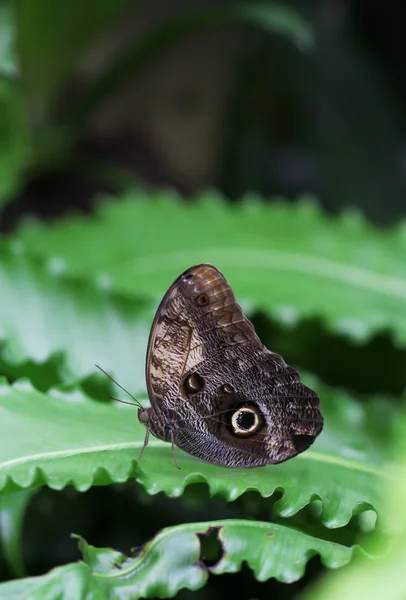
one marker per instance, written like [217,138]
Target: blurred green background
[102,96]
[308,97]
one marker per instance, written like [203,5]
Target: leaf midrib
[309,455]
[290,261]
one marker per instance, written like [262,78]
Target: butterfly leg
[173,451]
[145,444]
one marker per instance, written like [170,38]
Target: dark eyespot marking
[202,299]
[246,420]
[222,345]
[227,388]
[188,276]
[194,383]
[302,442]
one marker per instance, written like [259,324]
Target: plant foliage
[66,438]
[174,560]
[73,300]
[289,261]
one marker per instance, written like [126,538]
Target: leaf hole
[211,547]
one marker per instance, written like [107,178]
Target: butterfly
[215,390]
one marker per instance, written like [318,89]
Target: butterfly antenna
[122,401]
[137,402]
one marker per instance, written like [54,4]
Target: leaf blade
[68,439]
[71,324]
[291,262]
[172,560]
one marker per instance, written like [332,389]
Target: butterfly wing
[198,317]
[216,391]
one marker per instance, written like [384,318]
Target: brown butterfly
[216,391]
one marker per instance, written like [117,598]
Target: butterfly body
[216,391]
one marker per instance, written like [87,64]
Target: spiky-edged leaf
[172,560]
[289,261]
[68,324]
[67,438]
[386,577]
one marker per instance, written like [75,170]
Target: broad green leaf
[67,438]
[290,261]
[383,579]
[71,581]
[14,138]
[65,32]
[12,511]
[70,325]
[172,560]
[386,577]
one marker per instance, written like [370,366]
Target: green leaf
[67,438]
[386,577]
[292,262]
[172,560]
[12,511]
[14,138]
[70,325]
[71,581]
[66,31]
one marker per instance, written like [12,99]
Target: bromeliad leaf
[289,261]
[174,559]
[67,438]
